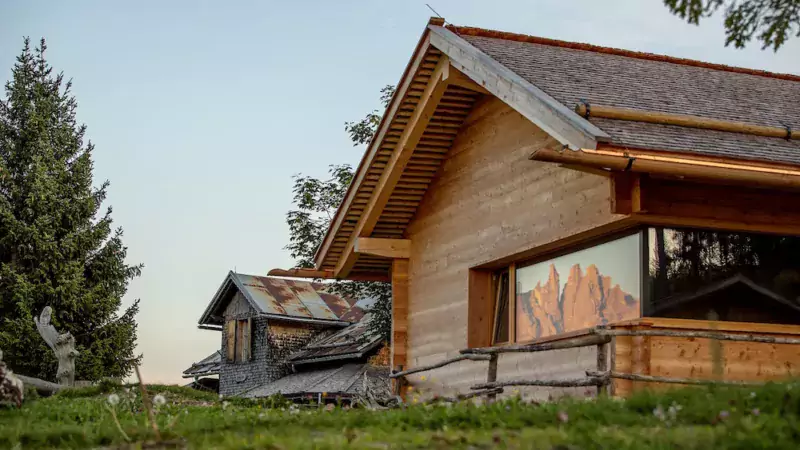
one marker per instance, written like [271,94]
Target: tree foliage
[771,21]
[56,247]
[316,200]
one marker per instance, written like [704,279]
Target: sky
[201,113]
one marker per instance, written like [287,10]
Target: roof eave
[564,124]
[204,318]
[554,118]
[374,144]
[734,172]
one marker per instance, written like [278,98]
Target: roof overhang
[613,159]
[439,87]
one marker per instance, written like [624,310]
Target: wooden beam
[328,274]
[394,168]
[399,312]
[374,149]
[684,120]
[301,273]
[512,302]
[480,309]
[621,190]
[389,248]
[682,203]
[461,80]
[564,124]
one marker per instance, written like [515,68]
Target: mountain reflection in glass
[590,287]
[742,277]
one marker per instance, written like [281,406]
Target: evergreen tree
[56,247]
[316,201]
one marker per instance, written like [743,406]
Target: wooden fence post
[602,366]
[398,382]
[491,375]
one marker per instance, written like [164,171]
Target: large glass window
[589,287]
[742,277]
[658,272]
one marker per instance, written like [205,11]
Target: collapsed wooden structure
[521,192]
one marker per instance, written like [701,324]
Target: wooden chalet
[522,190]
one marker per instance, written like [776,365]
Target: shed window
[238,340]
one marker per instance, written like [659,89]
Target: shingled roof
[571,72]
[544,80]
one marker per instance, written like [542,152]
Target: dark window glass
[501,319]
[742,277]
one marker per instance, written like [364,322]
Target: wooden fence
[602,377]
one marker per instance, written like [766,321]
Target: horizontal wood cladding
[676,202]
[677,357]
[487,202]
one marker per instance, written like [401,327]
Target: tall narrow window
[501,312]
[239,342]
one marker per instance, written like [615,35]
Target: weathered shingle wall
[272,342]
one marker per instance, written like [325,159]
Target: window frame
[239,340]
[512,267]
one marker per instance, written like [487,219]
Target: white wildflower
[562,417]
[294,411]
[159,400]
[225,405]
[673,410]
[659,412]
[113,399]
[752,395]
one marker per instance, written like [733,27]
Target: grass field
[694,418]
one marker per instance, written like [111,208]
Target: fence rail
[600,337]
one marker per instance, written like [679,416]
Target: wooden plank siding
[489,202]
[677,357]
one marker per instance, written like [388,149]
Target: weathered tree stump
[62,344]
[11,388]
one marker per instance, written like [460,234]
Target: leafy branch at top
[772,22]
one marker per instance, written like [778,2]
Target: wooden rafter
[387,248]
[416,63]
[404,148]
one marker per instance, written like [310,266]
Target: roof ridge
[483,32]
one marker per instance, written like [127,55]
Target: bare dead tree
[62,344]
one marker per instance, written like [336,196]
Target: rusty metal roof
[353,342]
[282,298]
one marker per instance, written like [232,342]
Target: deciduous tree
[316,201]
